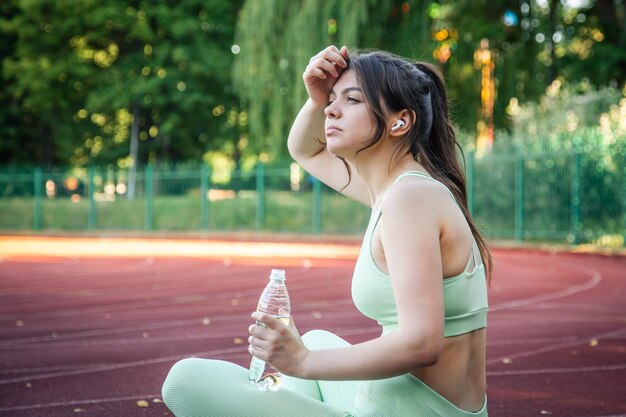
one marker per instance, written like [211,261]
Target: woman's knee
[179,379]
[322,339]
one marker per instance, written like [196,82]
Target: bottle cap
[278,274]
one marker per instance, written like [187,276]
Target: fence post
[260,195]
[624,207]
[38,191]
[205,173]
[471,159]
[91,217]
[149,203]
[575,203]
[317,206]
[519,196]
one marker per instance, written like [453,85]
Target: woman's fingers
[344,53]
[333,54]
[259,344]
[320,67]
[267,320]
[323,71]
[315,72]
[328,66]
[330,60]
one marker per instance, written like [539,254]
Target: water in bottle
[274,301]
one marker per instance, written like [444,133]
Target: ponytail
[437,153]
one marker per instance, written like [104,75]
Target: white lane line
[600,368]
[18,343]
[167,301]
[102,368]
[612,415]
[594,308]
[57,340]
[557,346]
[227,352]
[14,343]
[519,319]
[594,280]
[143,264]
[80,402]
[43,369]
[532,341]
[68,260]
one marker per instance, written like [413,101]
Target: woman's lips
[331,130]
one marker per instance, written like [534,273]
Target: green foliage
[566,114]
[542,40]
[573,146]
[76,72]
[277,39]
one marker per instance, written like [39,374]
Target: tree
[531,41]
[82,72]
[45,81]
[277,38]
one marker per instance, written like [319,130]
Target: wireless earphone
[397,125]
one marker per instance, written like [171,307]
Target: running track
[91,326]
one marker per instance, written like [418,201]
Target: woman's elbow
[426,351]
[430,355]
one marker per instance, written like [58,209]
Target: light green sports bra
[465,295]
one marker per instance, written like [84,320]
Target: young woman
[376,128]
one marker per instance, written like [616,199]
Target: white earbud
[397,125]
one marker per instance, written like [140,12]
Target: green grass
[284,212]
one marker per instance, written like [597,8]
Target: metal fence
[572,196]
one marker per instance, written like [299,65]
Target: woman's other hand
[323,71]
[278,344]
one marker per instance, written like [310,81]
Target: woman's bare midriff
[459,375]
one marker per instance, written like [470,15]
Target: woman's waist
[460,373]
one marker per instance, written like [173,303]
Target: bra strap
[475,253]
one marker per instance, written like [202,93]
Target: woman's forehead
[347,79]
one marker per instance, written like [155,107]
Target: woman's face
[349,123]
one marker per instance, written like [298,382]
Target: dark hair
[391,84]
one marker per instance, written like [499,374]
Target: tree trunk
[47,151]
[553,17]
[134,150]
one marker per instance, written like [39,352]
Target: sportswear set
[203,387]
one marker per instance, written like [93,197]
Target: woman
[421,271]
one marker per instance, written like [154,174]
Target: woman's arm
[306,142]
[410,237]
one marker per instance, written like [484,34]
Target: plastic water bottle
[274,301]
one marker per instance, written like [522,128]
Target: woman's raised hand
[323,71]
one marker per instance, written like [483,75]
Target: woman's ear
[402,122]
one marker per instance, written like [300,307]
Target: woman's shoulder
[417,192]
[416,203]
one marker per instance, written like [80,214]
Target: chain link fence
[573,196]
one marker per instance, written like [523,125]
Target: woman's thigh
[204,388]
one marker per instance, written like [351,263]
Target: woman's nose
[331,111]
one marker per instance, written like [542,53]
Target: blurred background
[173,115]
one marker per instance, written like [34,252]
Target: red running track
[95,336]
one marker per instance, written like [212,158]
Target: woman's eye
[329,102]
[352,100]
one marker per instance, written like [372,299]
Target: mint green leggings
[212,388]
